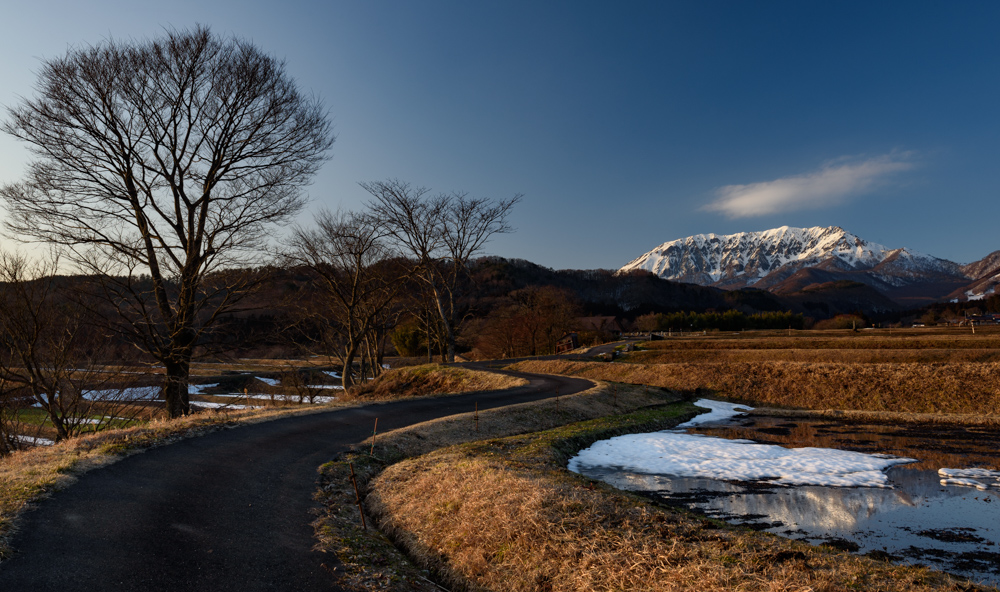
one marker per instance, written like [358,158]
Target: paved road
[226,511]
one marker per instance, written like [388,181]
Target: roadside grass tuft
[430,379]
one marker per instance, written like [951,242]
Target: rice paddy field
[919,371]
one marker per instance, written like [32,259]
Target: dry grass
[369,560]
[959,388]
[430,379]
[503,515]
[984,338]
[816,355]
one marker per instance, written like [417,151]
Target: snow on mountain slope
[745,259]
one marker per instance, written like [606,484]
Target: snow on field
[326,386]
[332,374]
[691,455]
[981,479]
[268,381]
[36,441]
[199,389]
[718,411]
[294,398]
[209,405]
[138,393]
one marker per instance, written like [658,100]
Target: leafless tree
[53,360]
[158,163]
[357,275]
[442,233]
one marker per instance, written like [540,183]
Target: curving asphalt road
[226,511]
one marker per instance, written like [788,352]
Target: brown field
[961,388]
[834,355]
[943,338]
[945,373]
[503,514]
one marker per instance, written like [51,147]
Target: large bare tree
[442,233]
[158,164]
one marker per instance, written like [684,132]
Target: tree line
[730,320]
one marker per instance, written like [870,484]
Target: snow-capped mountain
[788,259]
[985,274]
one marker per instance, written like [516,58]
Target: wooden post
[475,416]
[357,496]
[374,432]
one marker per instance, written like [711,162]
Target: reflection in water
[918,520]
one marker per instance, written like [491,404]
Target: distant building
[567,342]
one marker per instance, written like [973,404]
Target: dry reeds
[913,388]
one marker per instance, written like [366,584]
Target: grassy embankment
[430,379]
[370,561]
[29,475]
[503,514]
[870,373]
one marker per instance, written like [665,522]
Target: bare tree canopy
[443,233]
[358,277]
[167,157]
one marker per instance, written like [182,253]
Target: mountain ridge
[787,259]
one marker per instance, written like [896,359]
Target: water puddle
[908,517]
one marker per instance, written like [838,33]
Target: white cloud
[833,184]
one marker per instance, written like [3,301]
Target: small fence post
[357,497]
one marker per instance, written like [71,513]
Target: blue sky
[623,124]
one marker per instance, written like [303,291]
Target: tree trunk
[175,388]
[447,352]
[345,375]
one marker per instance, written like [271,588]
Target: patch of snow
[209,405]
[199,389]
[327,386]
[718,411]
[332,374]
[35,440]
[268,381]
[293,398]
[691,455]
[139,393]
[981,479]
